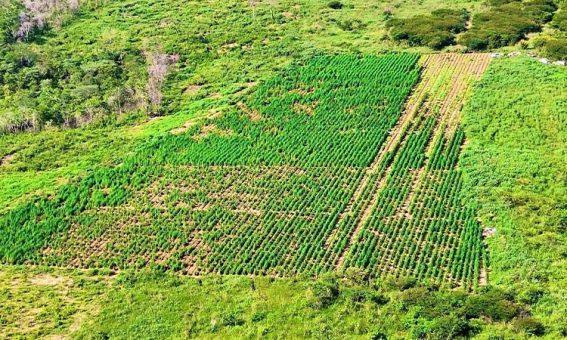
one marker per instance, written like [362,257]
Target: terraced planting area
[330,165]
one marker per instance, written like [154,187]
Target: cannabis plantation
[323,167]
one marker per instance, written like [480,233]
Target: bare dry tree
[74,5]
[158,68]
[37,14]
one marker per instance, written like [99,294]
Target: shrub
[493,304]
[335,4]
[359,295]
[351,25]
[401,283]
[531,295]
[541,11]
[258,316]
[231,318]
[530,326]
[380,299]
[324,292]
[560,20]
[379,335]
[556,48]
[507,23]
[445,327]
[9,22]
[414,297]
[436,30]
[356,276]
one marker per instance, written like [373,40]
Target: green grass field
[515,164]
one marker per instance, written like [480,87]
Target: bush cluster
[324,292]
[39,87]
[560,20]
[9,11]
[506,23]
[335,4]
[448,315]
[556,48]
[436,30]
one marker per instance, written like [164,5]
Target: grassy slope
[36,302]
[515,187]
[258,43]
[40,302]
[515,161]
[40,162]
[179,307]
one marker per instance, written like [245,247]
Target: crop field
[412,221]
[335,163]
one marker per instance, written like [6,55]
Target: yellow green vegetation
[515,166]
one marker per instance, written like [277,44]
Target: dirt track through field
[441,91]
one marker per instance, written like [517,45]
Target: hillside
[283,169]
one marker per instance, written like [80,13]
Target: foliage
[98,66]
[103,47]
[39,302]
[493,304]
[560,19]
[335,4]
[419,217]
[282,168]
[9,10]
[298,104]
[511,169]
[39,163]
[275,308]
[436,30]
[324,292]
[507,23]
[529,326]
[556,48]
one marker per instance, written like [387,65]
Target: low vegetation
[514,165]
[555,46]
[96,304]
[106,64]
[416,224]
[503,23]
[267,178]
[237,194]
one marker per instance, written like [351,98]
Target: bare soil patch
[192,90]
[47,280]
[7,159]
[212,129]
